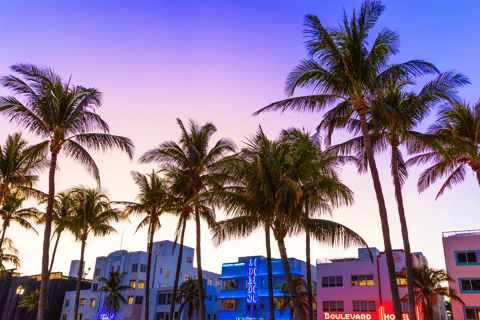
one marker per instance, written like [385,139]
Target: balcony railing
[447,234]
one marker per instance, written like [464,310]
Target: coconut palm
[8,254]
[428,282]
[19,165]
[11,211]
[456,138]
[190,297]
[64,115]
[93,214]
[113,286]
[30,302]
[201,168]
[392,121]
[345,72]
[271,174]
[301,286]
[152,201]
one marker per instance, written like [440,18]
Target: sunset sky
[220,61]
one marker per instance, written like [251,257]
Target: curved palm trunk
[201,293]
[289,279]
[309,277]
[177,272]
[406,241]
[149,264]
[3,234]
[42,300]
[53,254]
[397,308]
[271,306]
[79,279]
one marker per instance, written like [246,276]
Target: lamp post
[20,291]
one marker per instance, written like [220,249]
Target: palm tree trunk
[42,300]
[309,276]
[201,293]
[3,234]
[79,279]
[177,272]
[406,241]
[397,308]
[149,264]
[478,175]
[289,279]
[53,254]
[271,306]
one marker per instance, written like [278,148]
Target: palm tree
[8,254]
[151,202]
[30,302]
[12,211]
[64,115]
[301,286]
[344,71]
[392,121]
[271,174]
[113,286]
[190,297]
[456,138]
[93,214]
[19,164]
[201,168]
[428,282]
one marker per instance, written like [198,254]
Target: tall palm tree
[345,72]
[64,115]
[190,297]
[392,121]
[202,170]
[301,286]
[321,192]
[8,254]
[113,286]
[19,164]
[428,282]
[93,214]
[12,211]
[30,302]
[453,147]
[274,176]
[152,201]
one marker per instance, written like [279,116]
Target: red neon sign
[362,316]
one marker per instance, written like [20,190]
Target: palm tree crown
[113,286]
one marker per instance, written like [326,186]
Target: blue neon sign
[252,287]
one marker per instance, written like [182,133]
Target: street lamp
[20,291]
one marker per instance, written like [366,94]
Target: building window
[143,268]
[330,306]
[161,270]
[315,286]
[141,284]
[92,302]
[209,316]
[365,306]
[132,284]
[336,281]
[97,272]
[472,313]
[229,304]
[82,302]
[130,299]
[95,287]
[80,316]
[277,303]
[67,303]
[210,298]
[186,277]
[468,257]
[219,283]
[166,285]
[470,285]
[401,280]
[314,306]
[231,284]
[135,267]
[362,280]
[64,317]
[167,273]
[189,259]
[210,282]
[278,281]
[216,298]
[138,299]
[175,315]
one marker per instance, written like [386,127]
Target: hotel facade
[462,259]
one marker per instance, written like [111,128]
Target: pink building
[356,288]
[462,258]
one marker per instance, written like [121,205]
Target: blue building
[244,291]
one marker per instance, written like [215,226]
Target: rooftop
[448,234]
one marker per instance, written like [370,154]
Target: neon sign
[252,288]
[361,316]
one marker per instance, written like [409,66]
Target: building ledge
[461,233]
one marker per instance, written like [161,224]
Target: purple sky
[220,61]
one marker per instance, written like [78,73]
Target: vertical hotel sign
[252,283]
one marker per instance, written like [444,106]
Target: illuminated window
[401,280]
[365,306]
[132,284]
[130,299]
[331,306]
[92,302]
[167,274]
[210,282]
[277,302]
[186,277]
[219,283]
[82,302]
[141,284]
[472,313]
[231,284]
[362,280]
[229,304]
[336,281]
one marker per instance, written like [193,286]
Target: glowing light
[252,287]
